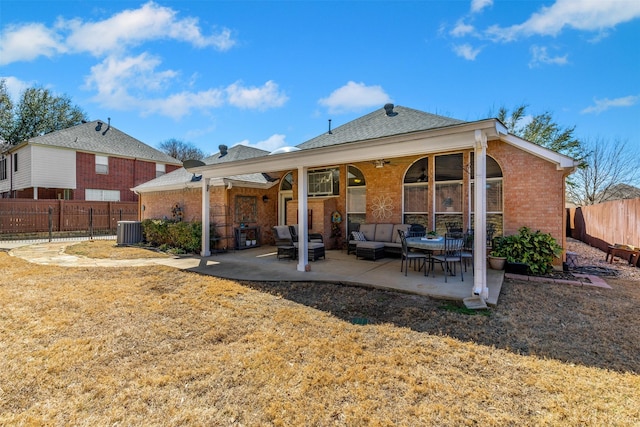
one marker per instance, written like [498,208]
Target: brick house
[394,165]
[90,161]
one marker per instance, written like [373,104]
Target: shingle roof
[108,140]
[183,177]
[238,152]
[378,124]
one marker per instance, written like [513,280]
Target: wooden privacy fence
[26,217]
[607,223]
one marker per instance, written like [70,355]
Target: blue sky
[272,73]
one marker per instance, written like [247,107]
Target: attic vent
[388,108]
[223,150]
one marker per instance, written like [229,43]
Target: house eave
[450,138]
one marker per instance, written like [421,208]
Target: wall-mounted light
[265,198]
[380,163]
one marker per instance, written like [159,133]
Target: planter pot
[517,268]
[496,262]
[253,243]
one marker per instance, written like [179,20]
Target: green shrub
[173,236]
[537,250]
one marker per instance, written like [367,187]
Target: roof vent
[388,108]
[223,150]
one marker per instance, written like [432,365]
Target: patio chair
[416,230]
[453,227]
[450,255]
[467,249]
[283,240]
[315,243]
[419,258]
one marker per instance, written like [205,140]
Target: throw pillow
[358,235]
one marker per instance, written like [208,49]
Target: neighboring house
[394,165]
[90,161]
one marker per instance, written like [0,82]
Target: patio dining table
[431,244]
[428,244]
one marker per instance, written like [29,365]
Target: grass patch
[109,249]
[159,346]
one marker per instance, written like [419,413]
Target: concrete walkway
[261,264]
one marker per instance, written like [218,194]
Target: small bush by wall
[175,236]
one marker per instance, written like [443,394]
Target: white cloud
[354,97]
[261,98]
[539,55]
[606,104]
[272,143]
[27,42]
[125,84]
[478,5]
[115,34]
[135,26]
[584,15]
[461,29]
[466,51]
[15,87]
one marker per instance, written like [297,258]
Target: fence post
[91,223]
[50,223]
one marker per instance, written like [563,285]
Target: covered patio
[262,264]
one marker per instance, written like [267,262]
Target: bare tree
[611,171]
[181,150]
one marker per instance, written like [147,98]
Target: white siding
[4,183]
[53,167]
[21,178]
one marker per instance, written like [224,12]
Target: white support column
[35,193]
[480,217]
[205,250]
[303,237]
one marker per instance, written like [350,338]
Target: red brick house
[394,165]
[90,161]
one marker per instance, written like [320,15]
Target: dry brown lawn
[159,346]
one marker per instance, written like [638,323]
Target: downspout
[205,250]
[480,219]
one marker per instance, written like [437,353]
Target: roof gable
[378,124]
[102,138]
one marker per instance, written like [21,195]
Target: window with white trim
[102,165]
[160,169]
[102,195]
[323,182]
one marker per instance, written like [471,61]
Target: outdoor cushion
[369,231]
[395,235]
[383,233]
[358,235]
[283,231]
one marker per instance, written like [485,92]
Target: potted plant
[498,255]
[432,234]
[528,252]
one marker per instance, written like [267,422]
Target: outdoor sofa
[374,241]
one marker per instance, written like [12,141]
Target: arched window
[286,184]
[356,197]
[415,193]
